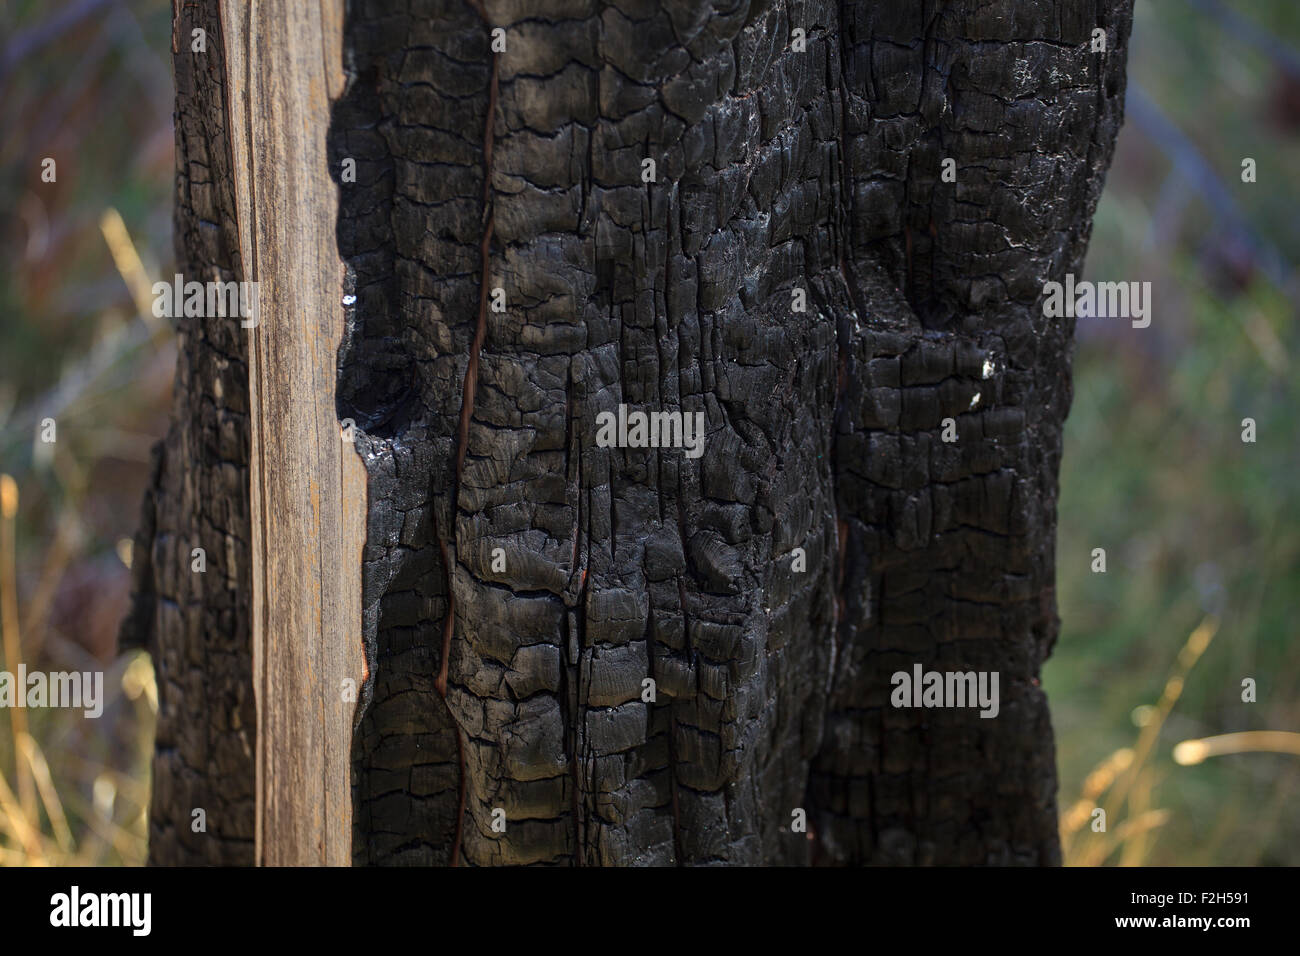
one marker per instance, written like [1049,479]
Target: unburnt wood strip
[307,487]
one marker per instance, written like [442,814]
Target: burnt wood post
[820,229]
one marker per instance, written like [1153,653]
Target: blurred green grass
[1193,520]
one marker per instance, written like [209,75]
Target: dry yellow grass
[36,827]
[1125,783]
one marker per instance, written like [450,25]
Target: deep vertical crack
[466,413]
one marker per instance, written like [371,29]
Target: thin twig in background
[49,794]
[1191,752]
[1198,172]
[1196,644]
[1167,212]
[129,266]
[1126,777]
[67,539]
[75,385]
[11,639]
[1282,55]
[26,42]
[14,822]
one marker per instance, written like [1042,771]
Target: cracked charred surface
[775,170]
[197,627]
[949,547]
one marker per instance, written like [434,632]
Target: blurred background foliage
[1201,530]
[88,84]
[1197,525]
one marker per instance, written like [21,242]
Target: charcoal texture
[198,626]
[521,584]
[776,169]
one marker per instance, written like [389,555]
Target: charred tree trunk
[626,204]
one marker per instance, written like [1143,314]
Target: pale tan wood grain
[283,62]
